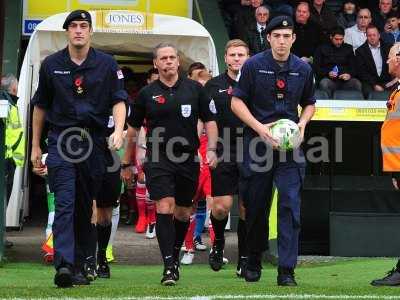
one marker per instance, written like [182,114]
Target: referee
[171,107]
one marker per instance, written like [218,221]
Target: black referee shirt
[172,113]
[220,90]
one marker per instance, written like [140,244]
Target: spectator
[229,9]
[379,17]
[308,34]
[391,33]
[371,58]
[348,15]
[256,35]
[279,7]
[324,17]
[334,64]
[355,35]
[245,18]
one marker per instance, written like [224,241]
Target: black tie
[261,35]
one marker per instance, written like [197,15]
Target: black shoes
[79,279]
[176,270]
[216,257]
[252,272]
[63,277]
[392,278]
[241,266]
[170,274]
[103,270]
[89,269]
[169,277]
[286,277]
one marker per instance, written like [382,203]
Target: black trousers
[9,172]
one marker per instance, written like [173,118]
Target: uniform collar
[272,62]
[175,86]
[14,99]
[90,60]
[229,79]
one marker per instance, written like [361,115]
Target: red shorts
[204,186]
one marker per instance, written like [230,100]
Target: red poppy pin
[229,91]
[280,84]
[160,99]
[78,81]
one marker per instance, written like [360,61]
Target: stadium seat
[374,95]
[321,95]
[348,95]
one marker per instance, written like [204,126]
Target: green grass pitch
[340,280]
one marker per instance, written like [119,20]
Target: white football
[287,133]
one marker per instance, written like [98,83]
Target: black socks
[219,229]
[166,237]
[181,228]
[103,237]
[241,234]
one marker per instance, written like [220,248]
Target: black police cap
[77,15]
[279,22]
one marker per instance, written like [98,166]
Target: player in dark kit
[225,177]
[171,107]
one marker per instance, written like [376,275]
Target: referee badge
[212,107]
[186,110]
[110,122]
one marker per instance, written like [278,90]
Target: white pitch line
[223,297]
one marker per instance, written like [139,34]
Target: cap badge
[83,15]
[284,23]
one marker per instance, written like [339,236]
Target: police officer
[172,107]
[225,177]
[14,136]
[272,85]
[77,87]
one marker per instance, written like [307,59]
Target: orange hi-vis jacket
[390,134]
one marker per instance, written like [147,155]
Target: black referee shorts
[225,179]
[165,178]
[110,189]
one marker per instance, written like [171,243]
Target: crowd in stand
[347,47]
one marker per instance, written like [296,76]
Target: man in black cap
[78,86]
[78,15]
[272,85]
